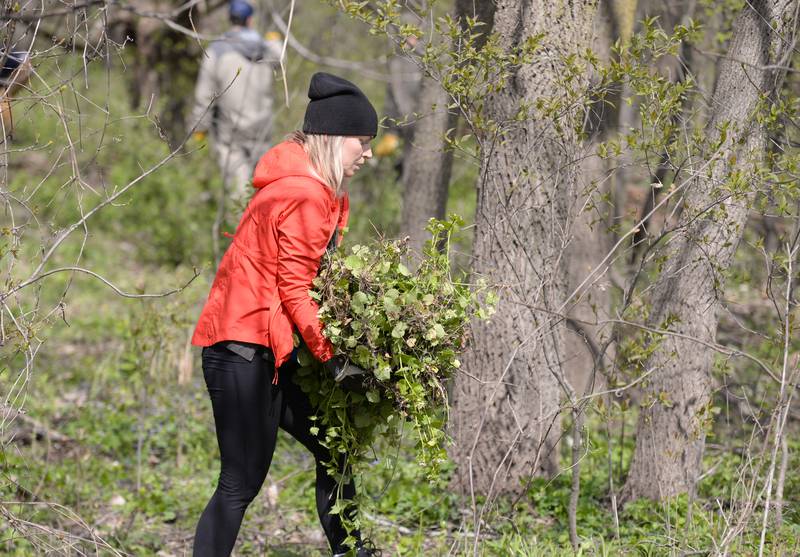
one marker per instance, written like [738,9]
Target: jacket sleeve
[204,93]
[274,49]
[302,238]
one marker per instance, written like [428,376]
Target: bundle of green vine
[406,330]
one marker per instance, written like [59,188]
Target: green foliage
[725,12]
[166,218]
[406,329]
[661,100]
[471,63]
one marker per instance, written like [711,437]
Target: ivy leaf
[353,263]
[435,333]
[406,327]
[390,305]
[358,302]
[383,373]
[399,330]
[362,356]
[362,418]
[304,357]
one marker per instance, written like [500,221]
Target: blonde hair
[325,154]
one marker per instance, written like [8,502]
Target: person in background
[15,69]
[233,99]
[260,300]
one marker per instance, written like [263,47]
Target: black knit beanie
[338,107]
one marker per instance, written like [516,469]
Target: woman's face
[355,151]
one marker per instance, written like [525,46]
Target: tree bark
[427,165]
[675,410]
[506,414]
[427,162]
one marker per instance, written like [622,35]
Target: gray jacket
[243,62]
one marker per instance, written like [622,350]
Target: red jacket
[260,293]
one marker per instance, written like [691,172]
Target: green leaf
[333,331]
[435,333]
[358,302]
[399,330]
[337,507]
[383,373]
[405,327]
[304,357]
[390,306]
[353,263]
[362,355]
[362,418]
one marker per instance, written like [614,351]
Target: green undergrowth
[141,462]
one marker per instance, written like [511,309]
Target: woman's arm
[303,235]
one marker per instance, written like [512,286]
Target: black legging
[248,409]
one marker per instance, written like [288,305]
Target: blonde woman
[260,297]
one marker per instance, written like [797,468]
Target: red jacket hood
[283,160]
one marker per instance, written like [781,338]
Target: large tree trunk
[671,430]
[427,164]
[506,414]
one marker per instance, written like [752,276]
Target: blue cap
[240,9]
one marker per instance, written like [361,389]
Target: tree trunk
[427,162]
[427,165]
[506,413]
[675,410]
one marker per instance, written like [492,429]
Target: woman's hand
[348,375]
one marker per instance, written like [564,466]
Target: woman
[260,297]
